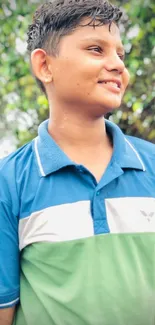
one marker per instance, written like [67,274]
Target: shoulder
[145,149]
[15,171]
[20,157]
[16,165]
[142,146]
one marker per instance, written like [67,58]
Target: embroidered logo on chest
[147,215]
[131,214]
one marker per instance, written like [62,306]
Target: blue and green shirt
[74,251]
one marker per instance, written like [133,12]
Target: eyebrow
[101,41]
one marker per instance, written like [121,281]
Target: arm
[9,256]
[6,316]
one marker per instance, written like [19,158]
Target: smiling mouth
[111,86]
[113,83]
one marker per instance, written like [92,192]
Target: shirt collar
[51,158]
[124,153]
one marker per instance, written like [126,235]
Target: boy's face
[89,72]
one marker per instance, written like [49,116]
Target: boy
[80,197]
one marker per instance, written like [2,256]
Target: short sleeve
[9,255]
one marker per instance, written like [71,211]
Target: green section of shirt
[102,280]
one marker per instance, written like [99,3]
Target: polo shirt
[74,251]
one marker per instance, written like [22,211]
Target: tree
[137,116]
[23,106]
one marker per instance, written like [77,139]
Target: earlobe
[40,67]
[48,80]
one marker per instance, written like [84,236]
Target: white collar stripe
[138,156]
[38,158]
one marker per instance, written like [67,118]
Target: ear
[41,65]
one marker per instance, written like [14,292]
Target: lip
[117,81]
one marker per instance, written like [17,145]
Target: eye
[122,56]
[96,49]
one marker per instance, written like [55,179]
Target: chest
[78,208]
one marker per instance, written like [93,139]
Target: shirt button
[97,193]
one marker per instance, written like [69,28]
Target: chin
[105,109]
[113,108]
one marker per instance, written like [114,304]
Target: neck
[83,139]
[72,131]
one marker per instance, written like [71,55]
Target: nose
[114,63]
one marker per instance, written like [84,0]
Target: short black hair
[58,18]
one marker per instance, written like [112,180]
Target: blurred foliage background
[22,105]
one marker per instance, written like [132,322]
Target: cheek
[70,81]
[73,75]
[126,78]
[76,75]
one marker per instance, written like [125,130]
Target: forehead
[84,34]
